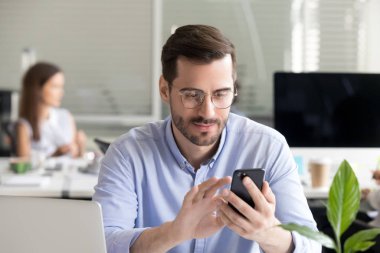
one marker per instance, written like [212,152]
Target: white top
[56,131]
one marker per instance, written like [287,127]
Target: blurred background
[110,50]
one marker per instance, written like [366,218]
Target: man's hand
[256,220]
[259,223]
[197,217]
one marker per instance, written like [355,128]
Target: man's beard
[197,140]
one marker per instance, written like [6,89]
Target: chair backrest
[103,145]
[11,131]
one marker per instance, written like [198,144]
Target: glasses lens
[191,98]
[223,99]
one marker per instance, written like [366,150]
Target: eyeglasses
[221,99]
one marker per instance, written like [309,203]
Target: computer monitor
[328,109]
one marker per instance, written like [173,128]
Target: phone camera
[242,175]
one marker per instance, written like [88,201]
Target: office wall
[373,24]
[260,31]
[110,50]
[291,35]
[105,48]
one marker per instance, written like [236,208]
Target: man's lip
[203,125]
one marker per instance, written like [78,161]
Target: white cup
[37,159]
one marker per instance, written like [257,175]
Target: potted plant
[342,207]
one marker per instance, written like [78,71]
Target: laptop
[43,225]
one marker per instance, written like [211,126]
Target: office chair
[103,145]
[10,130]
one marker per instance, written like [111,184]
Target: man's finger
[268,194]
[255,193]
[233,220]
[203,187]
[213,189]
[189,197]
[240,205]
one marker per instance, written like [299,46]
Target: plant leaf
[311,234]
[360,240]
[361,246]
[344,199]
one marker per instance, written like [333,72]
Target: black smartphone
[237,187]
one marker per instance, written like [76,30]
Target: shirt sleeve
[304,245]
[115,193]
[291,203]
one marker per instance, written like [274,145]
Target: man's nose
[207,108]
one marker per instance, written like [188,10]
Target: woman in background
[43,126]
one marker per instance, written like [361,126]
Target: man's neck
[198,155]
[194,154]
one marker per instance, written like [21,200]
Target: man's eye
[191,94]
[220,94]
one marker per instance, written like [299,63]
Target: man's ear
[164,89]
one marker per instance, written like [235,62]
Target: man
[159,184]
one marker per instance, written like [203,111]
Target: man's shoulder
[148,132]
[239,125]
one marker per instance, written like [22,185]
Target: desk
[81,186]
[68,182]
[362,160]
[316,193]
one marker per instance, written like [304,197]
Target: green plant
[342,207]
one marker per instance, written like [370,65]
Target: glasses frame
[202,98]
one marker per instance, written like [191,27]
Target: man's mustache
[201,120]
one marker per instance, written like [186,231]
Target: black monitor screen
[328,109]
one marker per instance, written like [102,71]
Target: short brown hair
[200,43]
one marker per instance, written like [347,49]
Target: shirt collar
[181,160]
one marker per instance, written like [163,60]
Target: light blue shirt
[144,178]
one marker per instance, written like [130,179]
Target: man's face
[203,124]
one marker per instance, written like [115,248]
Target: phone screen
[257,176]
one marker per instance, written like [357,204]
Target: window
[288,35]
[107,49]
[110,51]
[328,35]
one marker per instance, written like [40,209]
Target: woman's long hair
[32,84]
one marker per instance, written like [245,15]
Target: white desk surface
[316,193]
[70,183]
[67,182]
[82,185]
